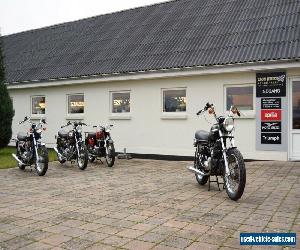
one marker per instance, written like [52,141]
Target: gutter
[161,73]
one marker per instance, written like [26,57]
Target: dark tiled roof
[182,33]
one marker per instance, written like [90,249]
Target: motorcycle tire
[60,160]
[85,158]
[239,172]
[92,159]
[44,159]
[21,167]
[202,180]
[110,160]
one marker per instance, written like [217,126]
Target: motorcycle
[30,149]
[216,154]
[70,146]
[99,144]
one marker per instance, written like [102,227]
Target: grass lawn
[7,161]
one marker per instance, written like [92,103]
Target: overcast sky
[21,15]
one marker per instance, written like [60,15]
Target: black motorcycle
[99,144]
[30,149]
[70,146]
[216,155]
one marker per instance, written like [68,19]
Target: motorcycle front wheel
[236,180]
[41,165]
[83,158]
[110,155]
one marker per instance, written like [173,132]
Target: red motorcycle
[99,144]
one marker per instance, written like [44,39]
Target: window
[38,105]
[76,104]
[120,102]
[296,105]
[174,100]
[240,96]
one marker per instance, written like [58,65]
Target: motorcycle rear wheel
[21,167]
[41,166]
[92,159]
[202,180]
[236,181]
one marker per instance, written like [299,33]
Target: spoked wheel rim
[81,157]
[233,179]
[40,163]
[109,156]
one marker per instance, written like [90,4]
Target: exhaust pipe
[17,159]
[196,171]
[59,154]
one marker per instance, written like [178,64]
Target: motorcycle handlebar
[207,106]
[25,119]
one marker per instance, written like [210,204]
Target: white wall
[146,132]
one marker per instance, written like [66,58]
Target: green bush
[6,106]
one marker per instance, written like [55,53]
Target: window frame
[117,115]
[67,106]
[244,113]
[31,108]
[181,115]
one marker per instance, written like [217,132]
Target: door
[295,120]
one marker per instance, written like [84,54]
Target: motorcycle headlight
[39,131]
[79,130]
[228,124]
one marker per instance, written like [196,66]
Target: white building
[149,70]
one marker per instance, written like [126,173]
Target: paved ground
[142,204]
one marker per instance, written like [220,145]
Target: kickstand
[101,161]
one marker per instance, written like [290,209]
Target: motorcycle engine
[216,166]
[24,151]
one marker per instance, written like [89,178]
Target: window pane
[296,105]
[38,104]
[121,102]
[241,97]
[174,100]
[75,104]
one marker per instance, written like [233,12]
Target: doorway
[295,120]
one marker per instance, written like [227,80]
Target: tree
[6,106]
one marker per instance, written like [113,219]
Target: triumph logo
[281,78]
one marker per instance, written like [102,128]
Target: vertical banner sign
[271,84]
[270,94]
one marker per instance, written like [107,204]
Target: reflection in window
[240,97]
[296,105]
[174,100]
[76,104]
[120,102]
[38,104]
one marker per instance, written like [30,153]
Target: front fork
[35,150]
[77,148]
[224,151]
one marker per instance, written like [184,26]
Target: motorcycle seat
[201,135]
[21,136]
[91,134]
[63,133]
